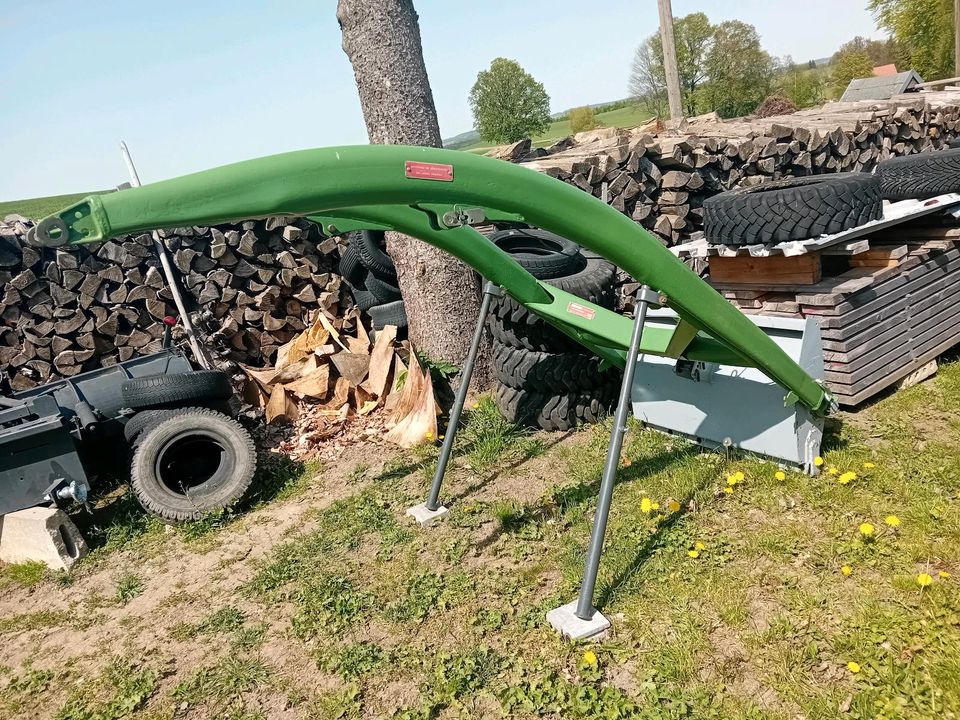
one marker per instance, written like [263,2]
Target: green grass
[627,117]
[37,208]
[724,604]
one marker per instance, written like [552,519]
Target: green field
[37,208]
[626,117]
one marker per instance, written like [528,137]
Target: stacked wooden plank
[661,176]
[253,284]
[885,309]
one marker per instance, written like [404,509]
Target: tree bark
[441,294]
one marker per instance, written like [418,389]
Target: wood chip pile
[330,378]
[254,284]
[660,177]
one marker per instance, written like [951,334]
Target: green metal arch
[377,186]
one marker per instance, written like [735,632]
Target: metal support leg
[581,619]
[432,509]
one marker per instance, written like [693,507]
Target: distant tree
[740,72]
[508,104]
[582,118]
[800,84]
[692,35]
[812,64]
[924,29]
[880,52]
[850,66]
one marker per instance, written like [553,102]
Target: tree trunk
[441,294]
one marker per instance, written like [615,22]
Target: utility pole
[956,38]
[670,58]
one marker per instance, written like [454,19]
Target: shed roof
[882,87]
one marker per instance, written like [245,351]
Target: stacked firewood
[253,287]
[661,176]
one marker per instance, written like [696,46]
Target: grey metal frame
[490,291]
[585,610]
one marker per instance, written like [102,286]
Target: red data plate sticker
[581,310]
[429,171]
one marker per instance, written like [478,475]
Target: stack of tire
[544,378]
[921,175]
[372,277]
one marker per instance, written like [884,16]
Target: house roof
[882,87]
[881,70]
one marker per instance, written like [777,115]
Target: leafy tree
[802,85]
[692,36]
[924,29]
[740,72]
[582,118]
[880,52]
[850,66]
[508,104]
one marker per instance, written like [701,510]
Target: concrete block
[425,516]
[41,534]
[565,621]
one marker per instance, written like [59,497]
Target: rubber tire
[792,209]
[381,289]
[364,299]
[146,419]
[555,412]
[388,314]
[920,176]
[955,143]
[549,373]
[155,391]
[372,257]
[240,463]
[350,268]
[543,254]
[512,324]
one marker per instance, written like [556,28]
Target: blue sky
[192,85]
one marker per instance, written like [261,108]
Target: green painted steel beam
[321,181]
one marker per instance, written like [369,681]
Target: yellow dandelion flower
[780,475]
[846,570]
[832,470]
[892,520]
[646,505]
[731,480]
[818,461]
[866,529]
[590,658]
[728,489]
[655,506]
[476,405]
[673,506]
[699,546]
[693,553]
[846,477]
[738,476]
[944,574]
[869,465]
[924,579]
[853,667]
[428,435]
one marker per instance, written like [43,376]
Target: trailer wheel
[147,419]
[555,412]
[543,254]
[920,176]
[154,391]
[792,209]
[191,464]
[549,372]
[372,257]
